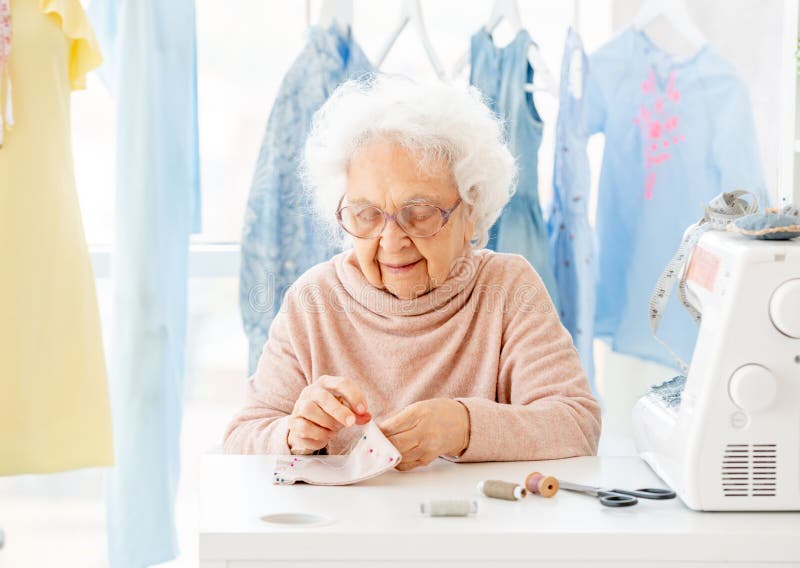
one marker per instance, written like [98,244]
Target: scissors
[618,497]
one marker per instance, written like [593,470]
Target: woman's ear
[469,223]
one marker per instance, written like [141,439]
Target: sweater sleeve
[544,407]
[262,425]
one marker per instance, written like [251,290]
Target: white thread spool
[448,508]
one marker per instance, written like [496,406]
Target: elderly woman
[453,350]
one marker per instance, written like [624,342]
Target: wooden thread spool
[544,485]
[502,490]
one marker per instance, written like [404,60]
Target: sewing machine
[729,439]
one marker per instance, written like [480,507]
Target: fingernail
[350,420]
[361,408]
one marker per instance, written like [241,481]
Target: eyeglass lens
[416,220]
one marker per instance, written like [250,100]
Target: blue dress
[152,55]
[281,238]
[678,133]
[571,236]
[501,74]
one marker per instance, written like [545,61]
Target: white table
[378,523]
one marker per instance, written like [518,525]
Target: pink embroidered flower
[654,160]
[649,183]
[663,131]
[655,129]
[672,123]
[672,92]
[649,84]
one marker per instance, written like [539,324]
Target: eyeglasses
[416,220]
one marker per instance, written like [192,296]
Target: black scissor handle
[613,499]
[648,493]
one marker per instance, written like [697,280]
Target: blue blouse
[281,238]
[571,237]
[677,133]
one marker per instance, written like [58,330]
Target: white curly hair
[434,120]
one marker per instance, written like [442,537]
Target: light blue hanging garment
[678,132]
[281,238]
[151,44]
[501,74]
[571,236]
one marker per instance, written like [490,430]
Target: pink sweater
[488,337]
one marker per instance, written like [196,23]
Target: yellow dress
[54,409]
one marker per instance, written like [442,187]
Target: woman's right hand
[323,408]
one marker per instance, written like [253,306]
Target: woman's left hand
[425,430]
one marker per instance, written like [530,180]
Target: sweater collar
[451,295]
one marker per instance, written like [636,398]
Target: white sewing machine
[732,439]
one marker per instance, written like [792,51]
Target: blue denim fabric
[281,239]
[678,133]
[501,74]
[571,237]
[151,47]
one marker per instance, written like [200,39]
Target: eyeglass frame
[446,213]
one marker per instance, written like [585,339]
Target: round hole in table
[297,520]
